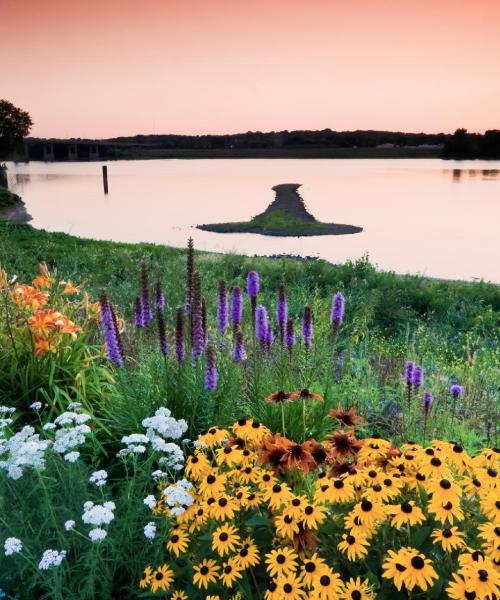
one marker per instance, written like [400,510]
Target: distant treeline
[278,139]
[472,145]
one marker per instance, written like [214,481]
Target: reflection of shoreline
[484,174]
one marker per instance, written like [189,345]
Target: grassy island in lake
[285,216]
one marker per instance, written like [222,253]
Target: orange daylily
[69,288]
[45,321]
[30,297]
[42,346]
[44,280]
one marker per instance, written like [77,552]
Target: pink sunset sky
[101,68]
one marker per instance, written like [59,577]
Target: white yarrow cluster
[69,525]
[150,530]
[71,432]
[36,406]
[150,501]
[7,410]
[98,514]
[164,425]
[24,449]
[99,478]
[12,546]
[51,558]
[178,497]
[97,534]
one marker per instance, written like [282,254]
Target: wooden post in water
[105,178]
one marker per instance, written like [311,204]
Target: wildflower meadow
[241,433]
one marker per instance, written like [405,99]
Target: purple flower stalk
[146,304]
[180,353]
[239,348]
[189,277]
[139,313]
[236,306]
[261,323]
[408,375]
[253,288]
[427,403]
[110,331]
[197,330]
[269,337]
[289,336]
[160,298]
[417,377]
[338,308]
[211,374]
[222,319]
[282,311]
[306,327]
[456,390]
[162,332]
[204,321]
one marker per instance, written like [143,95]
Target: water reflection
[415,218]
[457,174]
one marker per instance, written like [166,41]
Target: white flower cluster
[12,546]
[178,497]
[99,478]
[159,429]
[69,525]
[70,432]
[24,449]
[36,406]
[97,515]
[150,501]
[51,558]
[150,530]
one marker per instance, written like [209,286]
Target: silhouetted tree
[15,124]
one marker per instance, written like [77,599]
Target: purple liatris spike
[162,332]
[261,323]
[211,374]
[160,298]
[289,335]
[253,287]
[306,327]
[180,353]
[236,306]
[222,307]
[282,311]
[409,366]
[146,304]
[119,340]
[338,307]
[139,313]
[197,330]
[456,390]
[417,377]
[204,321]
[239,347]
[427,402]
[269,337]
[189,277]
[110,331]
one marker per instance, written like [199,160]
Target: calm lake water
[427,216]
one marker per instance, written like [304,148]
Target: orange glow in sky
[101,68]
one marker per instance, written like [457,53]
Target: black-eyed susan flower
[213,437]
[449,539]
[248,554]
[406,513]
[435,467]
[178,595]
[471,485]
[354,547]
[313,515]
[357,589]
[354,525]
[225,539]
[343,444]
[277,495]
[327,586]
[482,577]
[286,525]
[229,455]
[490,505]
[419,571]
[230,573]
[223,508]
[146,577]
[395,566]
[178,541]
[206,572]
[295,506]
[280,397]
[290,587]
[490,533]
[161,579]
[335,491]
[443,490]
[449,511]
[457,589]
[197,466]
[213,483]
[281,561]
[311,569]
[369,512]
